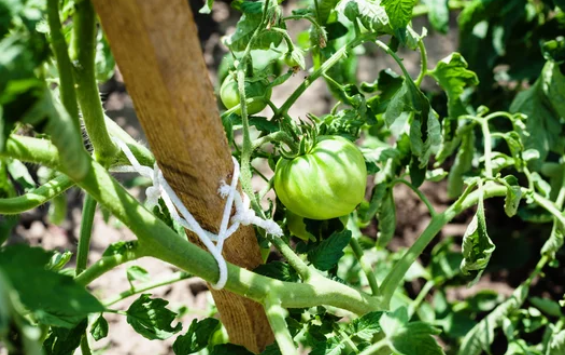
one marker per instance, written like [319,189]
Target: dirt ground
[34,229]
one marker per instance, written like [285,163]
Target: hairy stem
[276,316]
[88,212]
[37,197]
[395,278]
[488,147]
[413,308]
[64,66]
[365,266]
[176,277]
[395,57]
[424,68]
[83,54]
[375,348]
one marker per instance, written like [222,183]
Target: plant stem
[37,197]
[396,276]
[417,191]
[336,57]
[83,53]
[395,57]
[365,266]
[424,68]
[277,137]
[88,212]
[156,239]
[549,207]
[84,347]
[420,298]
[276,316]
[64,66]
[177,276]
[107,263]
[488,147]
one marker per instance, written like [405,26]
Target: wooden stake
[156,46]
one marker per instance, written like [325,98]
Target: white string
[161,189]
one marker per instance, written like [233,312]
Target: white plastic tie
[244,215]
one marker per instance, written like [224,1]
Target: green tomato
[327,182]
[258,90]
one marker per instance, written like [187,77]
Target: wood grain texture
[156,46]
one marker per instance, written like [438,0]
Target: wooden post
[156,46]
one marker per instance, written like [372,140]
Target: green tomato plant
[493,129]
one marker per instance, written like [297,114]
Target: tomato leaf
[197,337]
[513,196]
[207,7]
[136,273]
[323,10]
[367,326]
[543,105]
[249,22]
[41,290]
[327,254]
[332,346]
[150,318]
[99,328]
[557,343]
[438,14]
[547,306]
[387,219]
[278,270]
[368,210]
[105,63]
[371,14]
[63,341]
[477,246]
[399,12]
[59,260]
[19,172]
[555,241]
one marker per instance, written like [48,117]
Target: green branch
[417,191]
[88,212]
[365,266]
[37,197]
[424,67]
[83,53]
[276,316]
[64,66]
[177,276]
[396,277]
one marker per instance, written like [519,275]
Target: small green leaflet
[386,216]
[323,10]
[462,165]
[197,337]
[547,306]
[513,196]
[367,326]
[477,245]
[59,260]
[405,338]
[150,318]
[555,241]
[99,328]
[207,8]
[332,346]
[136,273]
[399,12]
[327,254]
[371,14]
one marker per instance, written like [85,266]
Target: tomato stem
[276,316]
[365,266]
[88,212]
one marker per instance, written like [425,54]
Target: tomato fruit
[258,90]
[327,182]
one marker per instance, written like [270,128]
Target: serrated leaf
[150,318]
[278,270]
[367,326]
[99,328]
[327,254]
[136,273]
[197,337]
[323,10]
[399,12]
[477,245]
[386,216]
[371,14]
[41,290]
[249,22]
[330,347]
